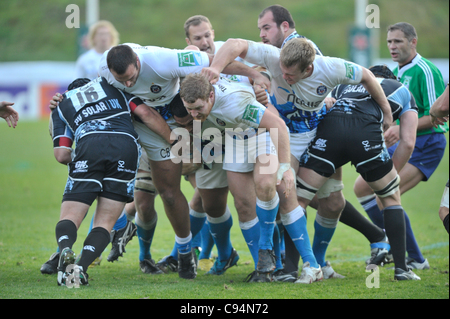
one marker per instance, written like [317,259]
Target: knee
[169,196]
[333,204]
[245,208]
[145,206]
[265,187]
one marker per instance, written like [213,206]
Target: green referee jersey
[426,84]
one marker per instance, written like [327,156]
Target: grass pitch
[31,187]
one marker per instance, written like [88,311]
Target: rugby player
[96,116]
[356,111]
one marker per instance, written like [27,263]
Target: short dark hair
[280,14]
[120,57]
[78,83]
[177,108]
[407,28]
[383,71]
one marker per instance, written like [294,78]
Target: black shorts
[343,138]
[104,163]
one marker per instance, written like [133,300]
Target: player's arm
[372,86]
[229,51]
[407,141]
[439,109]
[280,137]
[153,120]
[9,114]
[62,138]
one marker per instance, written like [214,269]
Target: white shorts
[300,141]
[144,180]
[240,155]
[156,147]
[212,178]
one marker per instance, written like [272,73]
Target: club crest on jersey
[321,90]
[155,89]
[220,122]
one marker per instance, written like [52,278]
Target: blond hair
[195,86]
[298,51]
[103,23]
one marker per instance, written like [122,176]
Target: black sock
[352,218]
[394,221]
[66,234]
[446,223]
[93,246]
[292,254]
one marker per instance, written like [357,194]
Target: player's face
[200,109]
[269,32]
[130,76]
[103,38]
[185,122]
[402,51]
[291,74]
[202,36]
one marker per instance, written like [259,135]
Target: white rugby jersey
[301,105]
[235,113]
[235,106]
[237,78]
[159,76]
[87,64]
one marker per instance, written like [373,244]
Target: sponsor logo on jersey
[350,71]
[188,59]
[251,114]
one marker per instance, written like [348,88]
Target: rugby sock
[411,244]
[92,223]
[121,221]
[446,222]
[250,231]
[369,203]
[145,232]
[220,230]
[292,254]
[66,234]
[324,231]
[183,245]
[267,213]
[395,230]
[277,248]
[282,241]
[295,224]
[197,221]
[351,217]
[197,240]
[207,242]
[93,246]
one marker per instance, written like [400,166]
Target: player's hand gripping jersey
[159,75]
[301,105]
